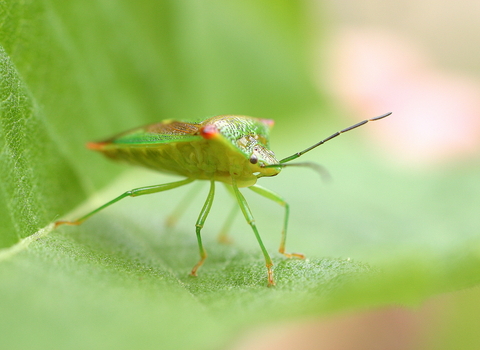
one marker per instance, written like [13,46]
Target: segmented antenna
[298,154]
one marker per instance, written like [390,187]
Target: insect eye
[254,159]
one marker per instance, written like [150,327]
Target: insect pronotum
[226,148]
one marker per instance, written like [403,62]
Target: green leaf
[72,72]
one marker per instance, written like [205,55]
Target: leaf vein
[23,244]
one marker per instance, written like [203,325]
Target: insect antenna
[320,169]
[298,154]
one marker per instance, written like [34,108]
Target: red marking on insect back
[209,131]
[96,146]
[268,122]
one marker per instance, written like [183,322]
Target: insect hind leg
[132,193]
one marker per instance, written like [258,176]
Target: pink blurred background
[420,60]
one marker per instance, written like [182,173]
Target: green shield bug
[226,148]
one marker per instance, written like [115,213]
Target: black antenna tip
[382,116]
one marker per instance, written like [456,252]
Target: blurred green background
[397,225]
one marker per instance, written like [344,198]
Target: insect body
[230,149]
[223,148]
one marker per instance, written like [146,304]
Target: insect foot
[293,255]
[71,223]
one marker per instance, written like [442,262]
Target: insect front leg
[199,225]
[251,221]
[132,193]
[276,198]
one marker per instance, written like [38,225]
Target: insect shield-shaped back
[243,143]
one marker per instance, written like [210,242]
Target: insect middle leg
[276,198]
[199,225]
[251,221]
[223,235]
[132,193]
[182,206]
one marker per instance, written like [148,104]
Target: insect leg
[251,221]
[132,193]
[223,236]
[199,225]
[182,206]
[276,198]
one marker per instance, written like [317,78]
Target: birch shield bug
[227,148]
